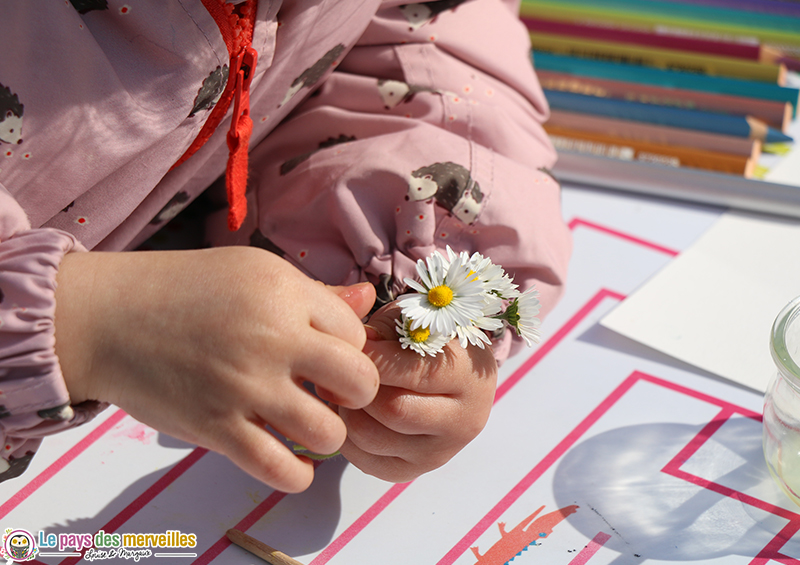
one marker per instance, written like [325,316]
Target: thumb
[360,297]
[382,324]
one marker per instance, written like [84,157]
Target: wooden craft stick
[260,549]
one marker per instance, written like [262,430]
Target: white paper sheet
[787,170]
[714,306]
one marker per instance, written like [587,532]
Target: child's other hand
[427,408]
[212,345]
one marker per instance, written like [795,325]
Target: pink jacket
[380,132]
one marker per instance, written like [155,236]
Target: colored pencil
[774,114]
[766,6]
[664,115]
[260,549]
[791,63]
[749,49]
[668,59]
[787,40]
[710,16]
[653,133]
[674,79]
[565,139]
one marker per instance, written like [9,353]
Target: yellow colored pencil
[668,59]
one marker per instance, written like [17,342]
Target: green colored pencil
[600,14]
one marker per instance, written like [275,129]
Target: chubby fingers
[337,311]
[392,456]
[450,372]
[359,297]
[343,374]
[412,413]
[257,452]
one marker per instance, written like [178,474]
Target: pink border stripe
[244,524]
[60,463]
[355,528]
[143,499]
[673,468]
[591,548]
[770,551]
[698,441]
[548,345]
[585,223]
[736,495]
[699,395]
[520,488]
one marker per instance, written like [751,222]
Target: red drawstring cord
[242,68]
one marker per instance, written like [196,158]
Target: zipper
[236,26]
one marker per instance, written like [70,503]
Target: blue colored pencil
[739,126]
[659,77]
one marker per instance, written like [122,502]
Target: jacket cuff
[34,400]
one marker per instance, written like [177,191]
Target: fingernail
[372,333]
[353,290]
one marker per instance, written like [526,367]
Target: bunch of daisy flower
[463,296]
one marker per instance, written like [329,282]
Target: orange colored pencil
[642,151]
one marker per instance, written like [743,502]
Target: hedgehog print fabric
[451,186]
[312,75]
[10,116]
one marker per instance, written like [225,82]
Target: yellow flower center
[419,335]
[440,296]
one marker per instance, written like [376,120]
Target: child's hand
[427,408]
[212,345]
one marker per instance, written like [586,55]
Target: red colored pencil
[751,50]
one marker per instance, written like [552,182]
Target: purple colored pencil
[767,6]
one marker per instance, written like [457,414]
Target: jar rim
[780,352]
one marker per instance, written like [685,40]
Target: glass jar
[781,436]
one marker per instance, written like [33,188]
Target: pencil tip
[775,136]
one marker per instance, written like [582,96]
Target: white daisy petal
[473,335]
[422,342]
[496,280]
[415,285]
[463,295]
[448,296]
[422,270]
[451,255]
[489,324]
[523,318]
